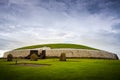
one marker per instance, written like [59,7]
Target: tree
[33,57]
[9,57]
[63,57]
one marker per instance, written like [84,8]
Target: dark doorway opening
[43,54]
[32,52]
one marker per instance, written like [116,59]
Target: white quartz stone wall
[18,53]
[79,53]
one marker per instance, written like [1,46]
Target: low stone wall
[72,53]
[18,53]
[80,53]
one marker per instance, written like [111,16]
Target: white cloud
[2,52]
[36,21]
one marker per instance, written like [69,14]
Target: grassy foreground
[72,69]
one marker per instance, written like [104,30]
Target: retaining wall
[71,53]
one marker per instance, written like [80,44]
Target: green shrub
[63,57]
[9,57]
[33,57]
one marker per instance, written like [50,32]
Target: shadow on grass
[30,64]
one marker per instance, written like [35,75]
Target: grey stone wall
[78,53]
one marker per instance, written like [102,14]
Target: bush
[33,57]
[63,57]
[9,57]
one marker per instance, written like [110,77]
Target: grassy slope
[57,46]
[72,69]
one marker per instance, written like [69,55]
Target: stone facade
[71,53]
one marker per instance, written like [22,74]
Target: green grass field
[72,69]
[76,46]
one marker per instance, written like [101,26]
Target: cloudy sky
[95,23]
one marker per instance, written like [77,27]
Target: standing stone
[9,57]
[63,57]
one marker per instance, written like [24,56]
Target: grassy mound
[75,46]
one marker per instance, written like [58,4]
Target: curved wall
[72,53]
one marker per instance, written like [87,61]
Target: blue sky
[94,23]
